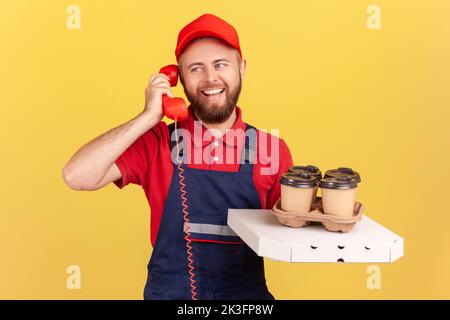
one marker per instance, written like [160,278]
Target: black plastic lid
[312,170]
[342,182]
[298,180]
[343,172]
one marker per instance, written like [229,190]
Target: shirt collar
[228,137]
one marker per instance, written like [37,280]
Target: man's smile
[213,94]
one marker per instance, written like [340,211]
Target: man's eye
[221,65]
[195,69]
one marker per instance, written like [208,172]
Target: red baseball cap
[207,25]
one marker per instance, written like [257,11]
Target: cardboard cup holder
[330,222]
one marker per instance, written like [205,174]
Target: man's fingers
[164,89]
[167,91]
[159,83]
[154,77]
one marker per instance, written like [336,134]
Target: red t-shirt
[148,162]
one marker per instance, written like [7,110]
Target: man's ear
[180,75]
[243,67]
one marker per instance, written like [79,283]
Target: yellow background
[341,94]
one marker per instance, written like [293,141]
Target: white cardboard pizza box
[368,241]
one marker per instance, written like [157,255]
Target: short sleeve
[134,162]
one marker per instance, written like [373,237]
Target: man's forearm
[90,163]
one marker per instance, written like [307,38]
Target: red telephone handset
[173,108]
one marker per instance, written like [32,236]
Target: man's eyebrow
[200,63]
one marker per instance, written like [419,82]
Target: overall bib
[225,267]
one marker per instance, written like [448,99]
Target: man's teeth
[214,91]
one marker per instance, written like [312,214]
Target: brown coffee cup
[312,170]
[339,195]
[297,191]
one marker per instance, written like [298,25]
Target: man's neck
[222,127]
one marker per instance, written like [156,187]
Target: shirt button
[216,143]
[216,158]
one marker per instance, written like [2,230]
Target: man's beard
[215,114]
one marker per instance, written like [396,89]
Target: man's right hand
[158,85]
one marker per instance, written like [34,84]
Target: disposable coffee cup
[343,172]
[297,191]
[338,196]
[312,170]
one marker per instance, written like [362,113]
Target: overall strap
[173,143]
[172,140]
[249,150]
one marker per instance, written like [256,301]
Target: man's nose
[211,74]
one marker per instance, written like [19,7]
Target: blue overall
[225,267]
